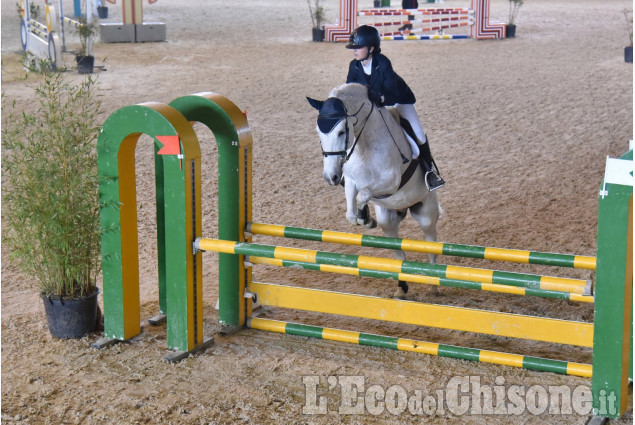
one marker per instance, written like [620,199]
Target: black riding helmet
[364,36]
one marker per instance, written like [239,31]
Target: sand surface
[519,127]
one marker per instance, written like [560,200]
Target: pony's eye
[341,133]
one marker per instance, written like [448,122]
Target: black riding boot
[432,177]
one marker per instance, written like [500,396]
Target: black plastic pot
[71,318]
[628,54]
[318,34]
[510,30]
[102,12]
[85,64]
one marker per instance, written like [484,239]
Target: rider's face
[360,53]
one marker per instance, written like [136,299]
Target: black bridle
[331,114]
[333,111]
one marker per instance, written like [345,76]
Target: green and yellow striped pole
[434,349]
[428,280]
[398,266]
[411,245]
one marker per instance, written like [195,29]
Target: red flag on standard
[171,145]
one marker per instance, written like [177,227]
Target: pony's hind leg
[427,215]
[389,221]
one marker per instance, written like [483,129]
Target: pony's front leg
[351,194]
[363,214]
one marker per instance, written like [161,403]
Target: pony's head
[336,122]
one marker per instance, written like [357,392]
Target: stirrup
[440,180]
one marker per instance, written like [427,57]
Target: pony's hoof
[399,294]
[436,291]
[363,216]
[369,223]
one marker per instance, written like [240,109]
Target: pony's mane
[351,92]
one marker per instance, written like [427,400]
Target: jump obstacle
[180,245]
[48,40]
[43,40]
[434,19]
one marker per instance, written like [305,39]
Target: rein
[333,111]
[372,108]
[407,174]
[412,167]
[403,158]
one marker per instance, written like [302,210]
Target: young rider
[386,88]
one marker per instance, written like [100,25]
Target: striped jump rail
[424,37]
[425,29]
[38,28]
[418,12]
[393,265]
[418,21]
[428,280]
[71,22]
[411,245]
[431,348]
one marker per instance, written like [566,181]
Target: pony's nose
[335,180]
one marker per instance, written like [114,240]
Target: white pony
[365,149]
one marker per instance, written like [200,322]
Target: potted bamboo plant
[514,7]
[84,56]
[50,198]
[317,19]
[628,50]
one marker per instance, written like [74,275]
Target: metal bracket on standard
[251,295]
[195,246]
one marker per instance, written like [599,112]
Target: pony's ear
[317,104]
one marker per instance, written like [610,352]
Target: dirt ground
[520,129]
